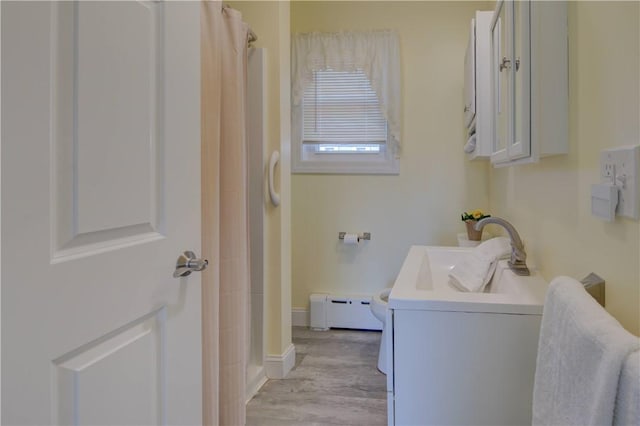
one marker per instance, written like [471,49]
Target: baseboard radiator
[335,311]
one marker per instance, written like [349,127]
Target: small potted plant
[470,219]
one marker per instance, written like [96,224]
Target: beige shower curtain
[225,285]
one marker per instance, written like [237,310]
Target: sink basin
[423,283]
[435,265]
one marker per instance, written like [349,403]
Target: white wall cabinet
[529,84]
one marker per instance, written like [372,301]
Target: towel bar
[594,285]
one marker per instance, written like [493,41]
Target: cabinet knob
[505,64]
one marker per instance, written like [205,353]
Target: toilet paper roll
[350,239]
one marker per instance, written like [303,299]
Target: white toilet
[378,305]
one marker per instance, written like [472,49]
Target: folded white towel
[475,271]
[627,408]
[472,274]
[580,355]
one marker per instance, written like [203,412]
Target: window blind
[342,108]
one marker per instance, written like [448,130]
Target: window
[339,125]
[341,113]
[343,130]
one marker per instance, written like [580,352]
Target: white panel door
[100,194]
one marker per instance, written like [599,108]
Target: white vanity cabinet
[529,84]
[463,368]
[459,358]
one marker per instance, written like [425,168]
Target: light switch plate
[620,166]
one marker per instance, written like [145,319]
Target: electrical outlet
[620,167]
[606,165]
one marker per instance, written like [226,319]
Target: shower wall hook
[363,236]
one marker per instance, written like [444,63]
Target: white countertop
[423,284]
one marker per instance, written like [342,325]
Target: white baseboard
[255,383]
[299,317]
[278,366]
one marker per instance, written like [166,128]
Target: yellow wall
[270,21]
[423,204]
[549,203]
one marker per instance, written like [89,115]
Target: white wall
[423,204]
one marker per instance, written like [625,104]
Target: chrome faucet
[517,263]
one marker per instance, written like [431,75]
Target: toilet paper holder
[363,236]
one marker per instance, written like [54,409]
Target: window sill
[389,167]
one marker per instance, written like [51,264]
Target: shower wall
[270,21]
[256,154]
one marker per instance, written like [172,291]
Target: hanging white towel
[627,408]
[474,272]
[580,355]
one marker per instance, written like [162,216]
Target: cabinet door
[520,146]
[511,82]
[528,56]
[500,83]
[470,77]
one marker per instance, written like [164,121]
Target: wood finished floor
[334,382]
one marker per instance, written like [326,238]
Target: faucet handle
[519,268]
[517,263]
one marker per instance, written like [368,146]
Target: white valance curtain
[376,53]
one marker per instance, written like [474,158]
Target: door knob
[187,263]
